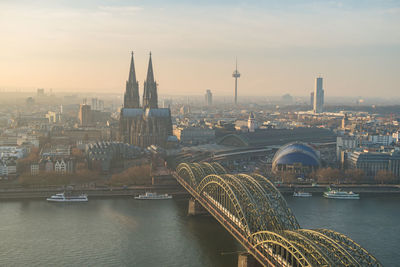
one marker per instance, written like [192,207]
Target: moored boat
[302,194]
[150,195]
[61,197]
[338,194]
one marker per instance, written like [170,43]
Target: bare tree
[355,175]
[328,175]
[384,177]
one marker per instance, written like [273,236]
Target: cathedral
[147,124]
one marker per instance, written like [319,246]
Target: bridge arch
[218,167]
[208,168]
[253,215]
[281,247]
[361,255]
[257,215]
[275,198]
[333,250]
[185,171]
[269,216]
[199,171]
[210,188]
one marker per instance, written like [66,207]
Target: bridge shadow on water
[215,245]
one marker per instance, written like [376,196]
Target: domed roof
[293,153]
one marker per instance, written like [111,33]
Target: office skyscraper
[85,115]
[312,99]
[318,96]
[208,97]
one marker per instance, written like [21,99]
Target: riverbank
[362,189]
[178,192]
[175,191]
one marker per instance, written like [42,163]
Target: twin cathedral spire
[131,97]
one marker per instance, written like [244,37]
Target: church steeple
[132,73]
[150,98]
[131,97]
[150,75]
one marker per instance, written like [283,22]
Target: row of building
[373,162]
[9,156]
[8,167]
[369,143]
[57,165]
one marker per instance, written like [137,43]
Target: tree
[328,175]
[54,178]
[137,175]
[288,177]
[384,177]
[354,175]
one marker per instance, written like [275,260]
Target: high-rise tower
[85,115]
[318,96]
[208,97]
[131,97]
[236,75]
[150,98]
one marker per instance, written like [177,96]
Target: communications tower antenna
[236,75]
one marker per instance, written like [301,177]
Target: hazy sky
[281,46]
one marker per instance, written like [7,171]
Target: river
[128,232]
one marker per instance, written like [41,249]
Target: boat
[150,195]
[302,194]
[338,194]
[61,197]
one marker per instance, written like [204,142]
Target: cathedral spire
[132,73]
[131,97]
[150,98]
[150,74]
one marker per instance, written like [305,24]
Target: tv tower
[236,75]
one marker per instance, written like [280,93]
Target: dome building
[296,157]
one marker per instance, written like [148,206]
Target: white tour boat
[61,197]
[302,194]
[337,194]
[149,195]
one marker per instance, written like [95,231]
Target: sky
[281,46]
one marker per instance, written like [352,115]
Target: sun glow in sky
[281,46]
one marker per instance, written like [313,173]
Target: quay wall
[178,192]
[366,189]
[175,191]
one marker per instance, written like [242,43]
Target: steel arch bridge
[251,208]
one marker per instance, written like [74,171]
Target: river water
[128,232]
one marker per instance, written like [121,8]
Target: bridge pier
[195,208]
[245,259]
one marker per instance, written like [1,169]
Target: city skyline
[205,131]
[83,47]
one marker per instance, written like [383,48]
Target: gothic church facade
[147,124]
